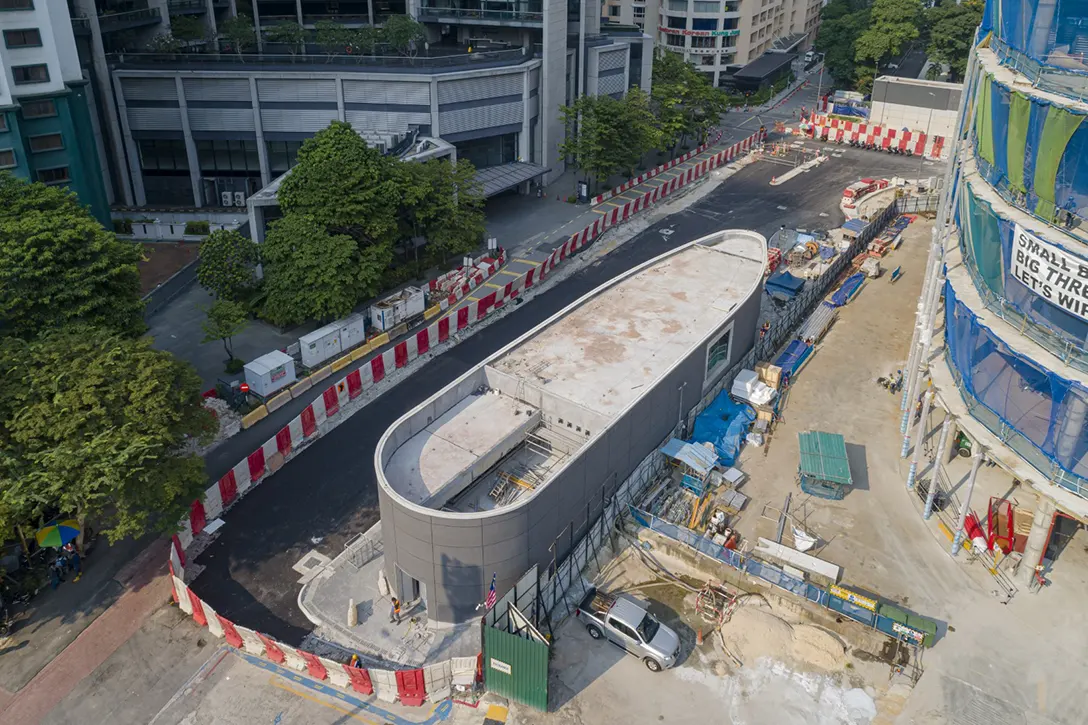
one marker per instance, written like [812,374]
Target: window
[16,4]
[3,122]
[164,155]
[228,158]
[47,142]
[58,175]
[640,12]
[39,109]
[613,11]
[707,60]
[282,155]
[678,5]
[7,158]
[676,41]
[28,38]
[701,6]
[704,23]
[678,23]
[23,74]
[622,628]
[729,24]
[699,42]
[717,355]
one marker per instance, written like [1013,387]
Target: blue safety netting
[847,109]
[784,285]
[1047,410]
[724,424]
[1054,32]
[987,240]
[847,289]
[793,357]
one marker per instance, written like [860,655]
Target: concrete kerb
[351,393]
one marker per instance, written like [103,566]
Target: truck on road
[625,622]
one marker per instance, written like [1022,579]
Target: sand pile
[754,633]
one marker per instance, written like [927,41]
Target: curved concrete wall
[453,555]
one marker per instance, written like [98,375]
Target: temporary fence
[918,143]
[716,133]
[838,599]
[412,687]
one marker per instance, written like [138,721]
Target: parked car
[625,622]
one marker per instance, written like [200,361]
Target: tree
[311,274]
[59,266]
[685,102]
[187,28]
[227,261]
[345,185]
[333,37]
[364,41]
[952,27]
[165,43]
[443,203]
[841,23]
[92,424]
[239,33]
[892,24]
[643,133]
[403,34]
[287,33]
[595,136]
[225,319]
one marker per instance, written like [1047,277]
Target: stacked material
[813,329]
[848,289]
[749,388]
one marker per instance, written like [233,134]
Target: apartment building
[45,121]
[720,37]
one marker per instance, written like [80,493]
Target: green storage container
[893,613]
[928,626]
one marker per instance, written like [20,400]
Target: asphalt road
[328,494]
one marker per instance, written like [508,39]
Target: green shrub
[235,366]
[122,226]
[200,228]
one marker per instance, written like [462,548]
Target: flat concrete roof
[609,351]
[433,457]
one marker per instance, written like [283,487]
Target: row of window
[57,175]
[24,74]
[16,4]
[168,156]
[681,23]
[702,6]
[24,38]
[678,41]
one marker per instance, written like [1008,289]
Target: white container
[320,345]
[746,380]
[270,373]
[395,309]
[352,331]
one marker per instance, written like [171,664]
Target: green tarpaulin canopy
[823,457]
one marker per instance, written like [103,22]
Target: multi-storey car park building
[1012,363]
[719,37]
[509,464]
[195,128]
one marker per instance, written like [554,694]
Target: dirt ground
[162,260]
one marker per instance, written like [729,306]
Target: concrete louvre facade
[507,466]
[1011,367]
[918,105]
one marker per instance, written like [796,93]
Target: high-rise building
[719,37]
[1007,351]
[46,133]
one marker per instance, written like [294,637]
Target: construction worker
[394,611]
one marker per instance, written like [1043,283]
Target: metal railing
[1064,220]
[1063,81]
[180,6]
[81,25]
[485,57]
[120,21]
[523,16]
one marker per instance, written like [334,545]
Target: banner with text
[1050,272]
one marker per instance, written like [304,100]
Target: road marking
[275,683]
[525,261]
[492,285]
[512,274]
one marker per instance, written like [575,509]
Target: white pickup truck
[625,622]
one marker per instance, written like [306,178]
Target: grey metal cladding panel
[505,528]
[619,445]
[607,85]
[919,96]
[612,59]
[410,525]
[385,120]
[468,119]
[508,558]
[220,119]
[456,536]
[309,89]
[534,106]
[472,89]
[392,91]
[216,89]
[534,78]
[154,119]
[455,556]
[596,464]
[302,120]
[421,569]
[415,546]
[149,89]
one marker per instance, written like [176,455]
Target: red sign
[244,387]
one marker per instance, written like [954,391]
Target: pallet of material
[860,259]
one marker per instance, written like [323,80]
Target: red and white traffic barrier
[917,142]
[716,133]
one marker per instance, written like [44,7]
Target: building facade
[45,118]
[510,464]
[1011,263]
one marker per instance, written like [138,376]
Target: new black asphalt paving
[328,494]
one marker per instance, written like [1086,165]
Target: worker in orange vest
[394,612]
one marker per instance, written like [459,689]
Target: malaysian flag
[492,597]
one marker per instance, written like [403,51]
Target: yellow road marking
[492,285]
[612,203]
[525,261]
[603,211]
[311,698]
[512,274]
[497,712]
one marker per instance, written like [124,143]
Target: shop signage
[699,33]
[500,666]
[855,599]
[1050,272]
[911,634]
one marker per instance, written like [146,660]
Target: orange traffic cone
[699,637]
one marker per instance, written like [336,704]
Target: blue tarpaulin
[784,285]
[696,457]
[847,289]
[793,357]
[724,423]
[857,226]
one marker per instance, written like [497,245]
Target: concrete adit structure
[508,465]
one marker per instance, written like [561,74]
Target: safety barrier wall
[657,170]
[411,687]
[777,577]
[314,419]
[917,142]
[1036,412]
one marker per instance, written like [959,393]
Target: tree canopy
[684,101]
[225,319]
[612,135]
[952,27]
[841,23]
[59,266]
[92,424]
[443,203]
[227,262]
[892,24]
